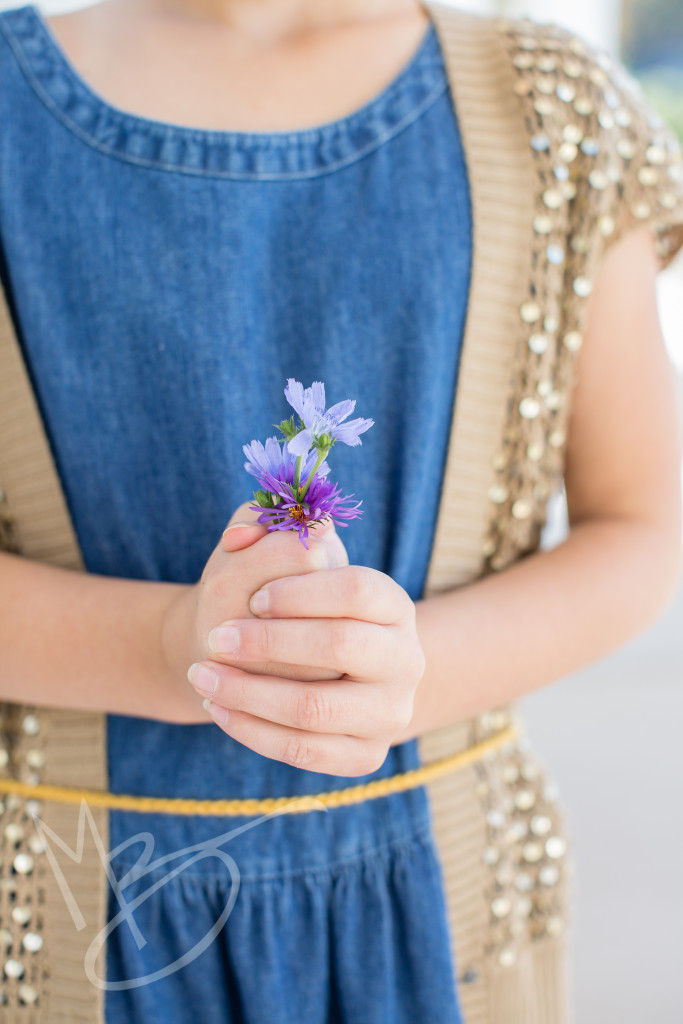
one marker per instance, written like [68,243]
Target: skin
[342,664]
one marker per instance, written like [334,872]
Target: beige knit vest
[513,84]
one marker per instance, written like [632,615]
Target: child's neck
[203,74]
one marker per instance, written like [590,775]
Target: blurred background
[609,735]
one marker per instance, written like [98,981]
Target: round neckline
[302,152]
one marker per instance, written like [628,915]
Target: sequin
[525,799]
[582,286]
[27,994]
[550,323]
[553,400]
[606,225]
[556,438]
[548,875]
[23,863]
[498,493]
[14,832]
[5,939]
[546,63]
[554,926]
[555,254]
[568,189]
[524,882]
[21,915]
[523,61]
[507,957]
[544,387]
[495,818]
[540,143]
[35,758]
[641,210]
[568,152]
[598,180]
[583,106]
[606,120]
[501,906]
[544,106]
[545,86]
[553,198]
[532,852]
[555,847]
[529,408]
[490,855]
[530,312]
[31,725]
[561,172]
[14,968]
[573,341]
[623,118]
[543,224]
[538,343]
[534,452]
[572,68]
[572,133]
[626,149]
[656,155]
[648,175]
[565,92]
[32,942]
[540,824]
[591,147]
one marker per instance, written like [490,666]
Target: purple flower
[277,461]
[323,499]
[309,403]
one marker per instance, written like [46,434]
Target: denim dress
[166,281]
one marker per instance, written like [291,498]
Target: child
[341,192]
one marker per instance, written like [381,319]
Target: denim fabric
[166,281]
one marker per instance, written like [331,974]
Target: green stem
[321,459]
[297,471]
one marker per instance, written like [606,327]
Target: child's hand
[246,558]
[354,620]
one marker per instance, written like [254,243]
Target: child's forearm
[550,614]
[76,640]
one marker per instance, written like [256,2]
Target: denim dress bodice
[166,281]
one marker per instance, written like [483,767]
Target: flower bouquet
[295,493]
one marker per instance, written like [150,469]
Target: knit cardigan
[564,158]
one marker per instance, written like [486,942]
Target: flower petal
[300,444]
[348,432]
[336,413]
[294,393]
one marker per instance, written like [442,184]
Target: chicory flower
[318,422]
[285,502]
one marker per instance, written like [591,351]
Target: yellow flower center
[298,514]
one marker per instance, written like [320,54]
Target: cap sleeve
[638,158]
[652,168]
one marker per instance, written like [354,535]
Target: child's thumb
[243,529]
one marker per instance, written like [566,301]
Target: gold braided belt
[284,804]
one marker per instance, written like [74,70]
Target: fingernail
[218,713]
[239,525]
[336,552]
[224,639]
[260,601]
[203,678]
